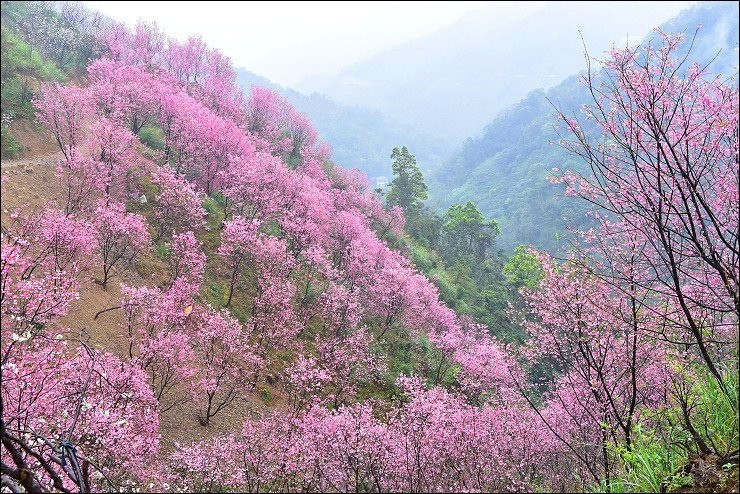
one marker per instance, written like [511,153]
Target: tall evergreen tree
[408,189]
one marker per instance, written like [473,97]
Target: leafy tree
[426,228]
[523,269]
[408,189]
[468,232]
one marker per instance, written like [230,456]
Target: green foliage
[426,228]
[161,251]
[467,232]
[214,206]
[22,70]
[152,136]
[20,57]
[408,189]
[456,253]
[216,293]
[9,147]
[66,34]
[434,365]
[265,395]
[422,259]
[714,411]
[40,42]
[407,356]
[662,445]
[650,463]
[522,269]
[505,171]
[447,288]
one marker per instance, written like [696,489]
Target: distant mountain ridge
[452,81]
[504,169]
[360,137]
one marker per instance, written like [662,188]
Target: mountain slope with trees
[203,301]
[360,137]
[450,82]
[505,169]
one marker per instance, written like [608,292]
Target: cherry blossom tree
[605,363]
[120,236]
[43,255]
[62,109]
[179,205]
[159,344]
[666,179]
[83,423]
[228,363]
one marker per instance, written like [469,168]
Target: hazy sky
[289,41]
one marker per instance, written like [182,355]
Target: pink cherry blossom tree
[666,179]
[179,205]
[43,256]
[62,109]
[120,236]
[229,365]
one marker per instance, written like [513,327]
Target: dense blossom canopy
[310,296]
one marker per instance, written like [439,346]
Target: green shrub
[152,136]
[421,259]
[9,147]
[20,57]
[214,206]
[715,413]
[660,449]
[161,251]
[265,395]
[447,288]
[22,69]
[651,462]
[17,97]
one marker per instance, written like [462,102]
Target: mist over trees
[196,297]
[505,168]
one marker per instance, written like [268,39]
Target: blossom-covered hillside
[287,273]
[204,301]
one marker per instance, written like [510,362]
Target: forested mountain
[504,169]
[360,137]
[195,297]
[451,82]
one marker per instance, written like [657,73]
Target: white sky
[281,40]
[290,41]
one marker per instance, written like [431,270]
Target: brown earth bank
[709,473]
[30,182]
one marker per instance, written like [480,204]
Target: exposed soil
[34,141]
[30,182]
[709,474]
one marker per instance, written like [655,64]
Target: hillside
[360,137]
[206,274]
[504,169]
[196,297]
[40,45]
